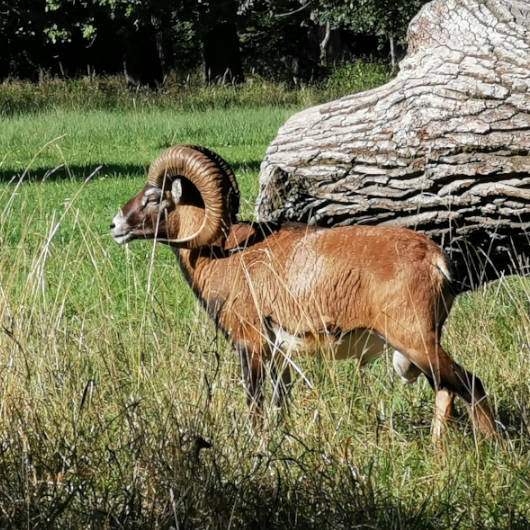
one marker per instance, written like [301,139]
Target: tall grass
[18,97]
[112,378]
[110,388]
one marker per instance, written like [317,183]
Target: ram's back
[313,279]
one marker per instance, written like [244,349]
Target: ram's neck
[185,221]
[212,272]
[199,271]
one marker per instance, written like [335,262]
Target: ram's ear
[153,192]
[151,195]
[176,190]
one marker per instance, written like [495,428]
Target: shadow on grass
[62,172]
[515,421]
[80,172]
[128,474]
[194,500]
[191,494]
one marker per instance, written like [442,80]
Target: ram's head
[190,200]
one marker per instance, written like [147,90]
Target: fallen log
[443,148]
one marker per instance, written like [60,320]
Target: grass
[192,95]
[111,374]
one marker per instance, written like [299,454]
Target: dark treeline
[145,40]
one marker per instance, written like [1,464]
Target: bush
[350,78]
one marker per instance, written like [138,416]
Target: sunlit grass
[111,374]
[192,95]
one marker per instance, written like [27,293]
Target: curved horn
[232,193]
[215,181]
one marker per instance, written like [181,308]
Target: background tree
[217,29]
[152,37]
[386,19]
[121,35]
[276,39]
[21,25]
[287,39]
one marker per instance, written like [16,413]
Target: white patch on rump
[404,368]
[361,344]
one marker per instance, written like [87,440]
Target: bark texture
[443,148]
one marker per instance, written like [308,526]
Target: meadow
[111,375]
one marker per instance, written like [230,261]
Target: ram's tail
[445,284]
[441,264]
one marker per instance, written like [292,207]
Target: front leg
[253,378]
[282,383]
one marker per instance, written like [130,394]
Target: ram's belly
[360,344]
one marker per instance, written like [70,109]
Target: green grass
[109,371]
[57,151]
[113,93]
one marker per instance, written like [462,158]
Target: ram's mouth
[123,238]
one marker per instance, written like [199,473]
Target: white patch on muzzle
[120,229]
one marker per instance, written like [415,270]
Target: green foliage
[271,40]
[383,18]
[279,39]
[356,77]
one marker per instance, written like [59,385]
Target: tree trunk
[217,29]
[159,43]
[324,44]
[444,148]
[392,52]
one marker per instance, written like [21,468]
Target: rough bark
[443,148]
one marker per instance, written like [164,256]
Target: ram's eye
[150,199]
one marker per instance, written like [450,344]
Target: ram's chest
[360,344]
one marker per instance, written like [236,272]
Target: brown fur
[316,285]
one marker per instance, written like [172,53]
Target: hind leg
[478,405]
[455,378]
[449,377]
[443,409]
[444,399]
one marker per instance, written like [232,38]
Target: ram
[278,292]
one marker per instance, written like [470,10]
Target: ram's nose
[120,230]
[118,223]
